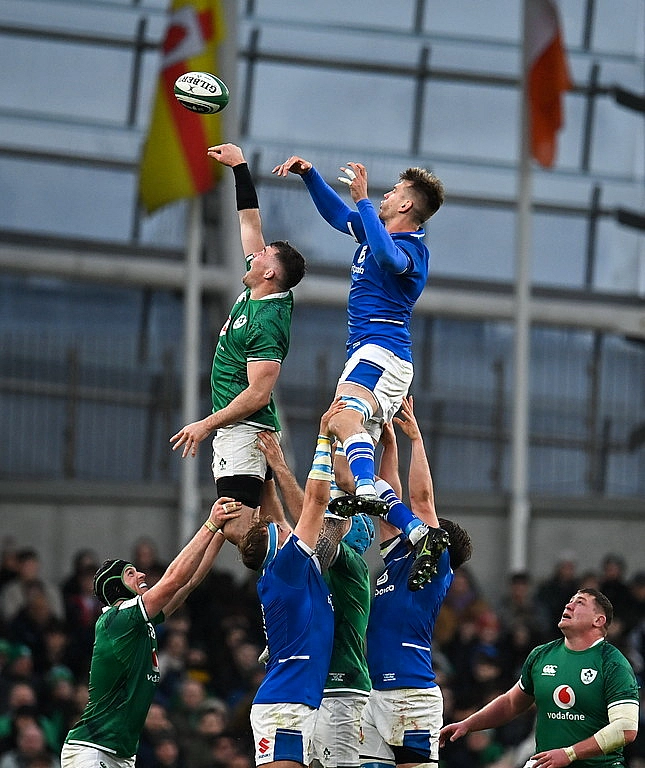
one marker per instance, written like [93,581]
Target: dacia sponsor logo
[549,670]
[383,579]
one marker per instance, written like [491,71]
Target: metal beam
[463,300]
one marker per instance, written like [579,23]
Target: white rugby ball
[201,92]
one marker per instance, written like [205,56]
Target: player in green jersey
[583,688]
[124,671]
[252,345]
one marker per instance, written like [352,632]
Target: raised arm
[194,561]
[389,465]
[388,254]
[327,201]
[420,485]
[292,494]
[246,197]
[318,483]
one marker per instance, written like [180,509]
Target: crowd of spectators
[209,664]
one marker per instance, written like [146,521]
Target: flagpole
[189,495]
[520,506]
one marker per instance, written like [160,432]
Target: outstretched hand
[268,444]
[223,510]
[452,732]
[356,179]
[336,406]
[190,437]
[407,421]
[227,154]
[294,164]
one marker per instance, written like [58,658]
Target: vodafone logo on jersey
[155,661]
[564,697]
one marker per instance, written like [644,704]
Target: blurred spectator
[518,606]
[463,603]
[9,566]
[30,624]
[84,559]
[59,652]
[614,586]
[212,721]
[483,751]
[173,656]
[554,592]
[58,703]
[20,668]
[30,746]
[185,711]
[157,726]
[13,596]
[589,580]
[167,754]
[145,556]
[82,609]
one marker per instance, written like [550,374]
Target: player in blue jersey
[388,274]
[298,619]
[403,715]
[340,549]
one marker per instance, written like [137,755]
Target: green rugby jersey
[256,329]
[124,674]
[349,583]
[573,690]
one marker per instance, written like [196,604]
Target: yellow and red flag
[547,79]
[174,163]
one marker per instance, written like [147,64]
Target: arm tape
[622,717]
[245,194]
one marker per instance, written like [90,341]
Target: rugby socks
[359,450]
[399,515]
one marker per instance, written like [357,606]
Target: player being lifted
[251,347]
[388,274]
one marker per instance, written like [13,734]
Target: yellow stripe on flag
[174,164]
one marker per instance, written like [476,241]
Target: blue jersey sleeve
[389,256]
[330,206]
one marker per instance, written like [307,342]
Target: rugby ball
[201,92]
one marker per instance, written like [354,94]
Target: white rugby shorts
[381,372]
[283,732]
[338,729]
[236,452]
[88,756]
[402,717]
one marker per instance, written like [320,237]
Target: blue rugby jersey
[388,273]
[401,623]
[299,626]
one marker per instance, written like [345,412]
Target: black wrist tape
[245,194]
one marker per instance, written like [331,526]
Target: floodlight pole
[520,507]
[190,497]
